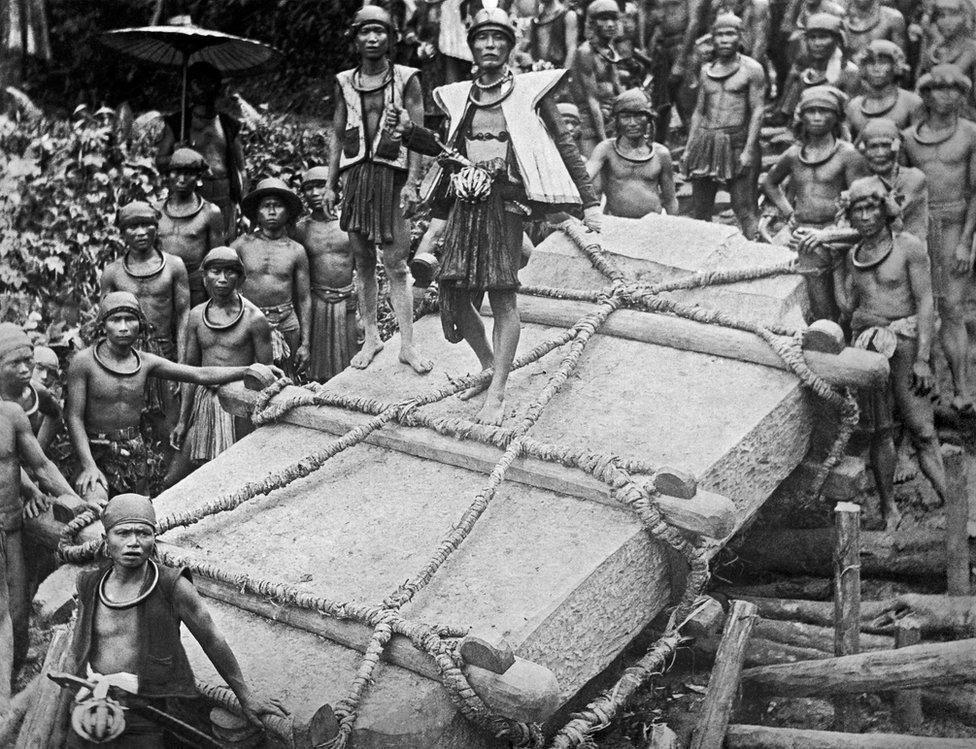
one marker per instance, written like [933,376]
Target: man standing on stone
[330,267]
[276,271]
[214,134]
[159,280]
[881,64]
[595,80]
[867,20]
[633,171]
[380,178]
[943,145]
[190,226]
[886,288]
[225,331]
[518,159]
[723,143]
[820,166]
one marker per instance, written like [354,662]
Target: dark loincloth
[333,331]
[370,195]
[211,429]
[714,153]
[877,405]
[123,456]
[156,401]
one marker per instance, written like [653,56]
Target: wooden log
[54,601]
[14,717]
[820,613]
[540,691]
[957,701]
[915,666]
[723,684]
[706,513]
[46,531]
[853,367]
[45,718]
[847,600]
[919,553]
[764,737]
[706,620]
[958,562]
[846,481]
[952,616]
[805,588]
[908,702]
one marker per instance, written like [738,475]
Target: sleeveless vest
[163,668]
[544,175]
[355,148]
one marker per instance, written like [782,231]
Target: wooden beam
[855,367]
[44,720]
[820,613]
[723,684]
[524,689]
[915,666]
[706,513]
[764,737]
[958,563]
[908,702]
[847,600]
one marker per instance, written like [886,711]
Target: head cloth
[129,508]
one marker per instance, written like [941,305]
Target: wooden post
[765,737]
[908,702]
[723,685]
[44,720]
[847,600]
[958,562]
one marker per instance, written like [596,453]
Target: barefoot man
[129,617]
[723,142]
[595,79]
[380,178]
[633,171]
[819,168]
[226,331]
[276,269]
[19,450]
[190,225]
[519,159]
[106,395]
[943,145]
[330,267]
[160,281]
[886,288]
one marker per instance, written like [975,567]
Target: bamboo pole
[847,600]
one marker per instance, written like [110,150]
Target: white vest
[544,175]
[392,92]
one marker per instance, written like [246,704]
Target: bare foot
[492,412]
[470,393]
[893,519]
[366,354]
[420,364]
[906,468]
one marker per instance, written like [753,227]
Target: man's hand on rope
[254,708]
[593,218]
[36,505]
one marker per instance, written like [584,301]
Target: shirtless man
[867,20]
[820,167]
[276,269]
[380,179]
[554,34]
[47,370]
[214,134]
[633,171]
[226,331]
[881,64]
[886,288]
[793,28]
[112,637]
[954,44]
[755,23]
[823,62]
[106,396]
[19,450]
[670,47]
[723,143]
[190,225]
[570,115]
[159,280]
[595,80]
[17,386]
[943,145]
[330,267]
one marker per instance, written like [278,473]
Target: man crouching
[129,627]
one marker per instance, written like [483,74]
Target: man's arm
[194,614]
[772,183]
[696,9]
[413,103]
[75,401]
[585,73]
[48,477]
[335,149]
[964,252]
[181,304]
[594,165]
[191,356]
[844,288]
[572,38]
[164,148]
[237,154]
[669,196]
[215,228]
[261,340]
[699,111]
[106,284]
[758,20]
[53,417]
[920,279]
[757,107]
[898,30]
[568,151]
[303,300]
[157,366]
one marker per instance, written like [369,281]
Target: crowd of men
[496,122]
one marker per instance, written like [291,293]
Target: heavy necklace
[611,55]
[634,159]
[916,133]
[806,161]
[509,79]
[716,76]
[858,25]
[111,370]
[506,78]
[868,264]
[357,84]
[887,104]
[188,214]
[226,326]
[148,274]
[106,601]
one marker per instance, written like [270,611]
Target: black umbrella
[181,45]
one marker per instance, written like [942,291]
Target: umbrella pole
[185,65]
